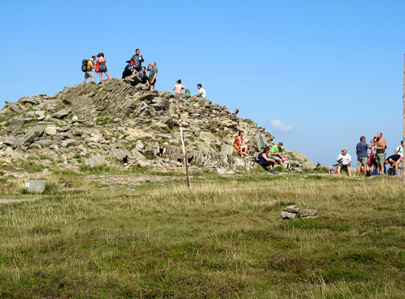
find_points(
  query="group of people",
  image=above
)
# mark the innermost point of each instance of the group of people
(98, 65)
(373, 161)
(133, 68)
(267, 158)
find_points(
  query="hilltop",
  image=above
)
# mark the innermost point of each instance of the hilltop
(117, 123)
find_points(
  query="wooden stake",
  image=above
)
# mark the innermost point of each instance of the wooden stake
(182, 143)
(403, 114)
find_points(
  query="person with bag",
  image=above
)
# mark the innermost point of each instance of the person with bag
(264, 161)
(87, 68)
(101, 61)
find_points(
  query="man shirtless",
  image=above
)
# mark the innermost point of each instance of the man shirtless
(380, 146)
(179, 87)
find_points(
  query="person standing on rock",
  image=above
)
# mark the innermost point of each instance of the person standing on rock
(179, 87)
(202, 93)
(138, 59)
(89, 71)
(103, 67)
(152, 69)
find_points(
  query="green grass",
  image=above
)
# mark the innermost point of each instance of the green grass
(224, 239)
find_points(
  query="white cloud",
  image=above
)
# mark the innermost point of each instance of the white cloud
(278, 125)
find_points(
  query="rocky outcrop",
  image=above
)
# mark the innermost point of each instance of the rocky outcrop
(125, 125)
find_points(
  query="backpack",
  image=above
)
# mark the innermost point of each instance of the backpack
(84, 65)
(187, 93)
(391, 171)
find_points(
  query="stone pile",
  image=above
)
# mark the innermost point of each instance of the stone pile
(116, 123)
(292, 212)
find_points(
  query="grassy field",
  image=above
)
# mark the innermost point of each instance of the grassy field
(225, 239)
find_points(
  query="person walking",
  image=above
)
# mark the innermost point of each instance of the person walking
(89, 71)
(152, 69)
(103, 67)
(138, 59)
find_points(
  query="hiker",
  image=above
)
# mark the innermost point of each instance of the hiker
(138, 59)
(202, 93)
(393, 160)
(344, 161)
(129, 69)
(240, 146)
(264, 161)
(102, 66)
(179, 87)
(88, 73)
(152, 69)
(361, 151)
(400, 151)
(379, 144)
(143, 76)
(277, 154)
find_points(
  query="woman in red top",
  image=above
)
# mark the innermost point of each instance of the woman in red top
(240, 146)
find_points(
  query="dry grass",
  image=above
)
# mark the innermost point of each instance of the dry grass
(224, 239)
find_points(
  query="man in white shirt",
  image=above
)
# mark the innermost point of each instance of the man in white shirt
(344, 161)
(400, 151)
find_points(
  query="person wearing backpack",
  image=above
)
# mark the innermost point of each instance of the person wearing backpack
(87, 68)
(264, 160)
(103, 67)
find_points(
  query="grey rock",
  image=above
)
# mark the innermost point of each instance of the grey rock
(31, 136)
(11, 141)
(17, 122)
(50, 130)
(27, 100)
(287, 215)
(68, 142)
(61, 113)
(96, 160)
(291, 209)
(307, 213)
(35, 186)
(120, 154)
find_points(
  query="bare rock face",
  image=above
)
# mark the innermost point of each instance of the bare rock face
(121, 123)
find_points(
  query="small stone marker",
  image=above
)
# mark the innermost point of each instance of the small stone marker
(292, 212)
(35, 186)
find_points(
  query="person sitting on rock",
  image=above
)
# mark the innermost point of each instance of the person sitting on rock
(344, 160)
(179, 87)
(129, 69)
(202, 93)
(277, 154)
(240, 146)
(264, 161)
(143, 76)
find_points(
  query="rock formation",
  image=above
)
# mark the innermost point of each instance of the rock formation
(124, 125)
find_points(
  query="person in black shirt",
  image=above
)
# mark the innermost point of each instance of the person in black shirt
(128, 69)
(264, 160)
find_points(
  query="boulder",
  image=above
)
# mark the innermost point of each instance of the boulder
(120, 154)
(30, 136)
(35, 186)
(50, 130)
(287, 215)
(17, 122)
(61, 113)
(96, 160)
(307, 213)
(11, 141)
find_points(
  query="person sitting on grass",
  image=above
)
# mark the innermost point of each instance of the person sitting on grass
(277, 154)
(264, 161)
(344, 161)
(240, 146)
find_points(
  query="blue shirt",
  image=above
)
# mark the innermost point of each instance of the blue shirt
(361, 148)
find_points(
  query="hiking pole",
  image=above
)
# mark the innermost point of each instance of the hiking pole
(182, 143)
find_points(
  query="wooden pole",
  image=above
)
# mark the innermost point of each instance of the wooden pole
(403, 115)
(182, 143)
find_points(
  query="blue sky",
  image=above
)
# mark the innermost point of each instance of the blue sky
(322, 72)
